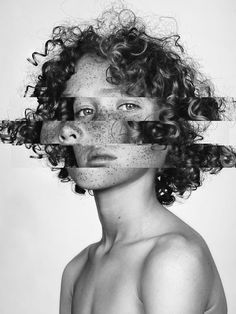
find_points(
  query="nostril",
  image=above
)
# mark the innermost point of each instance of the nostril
(62, 137)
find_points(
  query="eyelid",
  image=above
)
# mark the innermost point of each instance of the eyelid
(130, 100)
(129, 103)
(90, 103)
(77, 113)
(81, 105)
(84, 102)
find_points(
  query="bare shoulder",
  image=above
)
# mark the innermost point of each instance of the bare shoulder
(73, 268)
(179, 267)
(181, 242)
(173, 249)
(69, 276)
(76, 261)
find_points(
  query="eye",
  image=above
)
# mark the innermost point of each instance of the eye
(84, 112)
(128, 107)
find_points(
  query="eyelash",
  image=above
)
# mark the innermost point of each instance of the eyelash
(78, 113)
(83, 110)
(134, 106)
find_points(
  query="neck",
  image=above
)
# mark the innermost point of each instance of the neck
(127, 210)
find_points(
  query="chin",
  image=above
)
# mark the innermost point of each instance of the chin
(104, 178)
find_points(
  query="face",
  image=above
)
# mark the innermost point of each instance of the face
(102, 139)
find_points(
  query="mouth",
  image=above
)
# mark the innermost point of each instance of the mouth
(97, 159)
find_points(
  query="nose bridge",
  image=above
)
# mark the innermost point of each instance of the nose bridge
(103, 113)
(106, 109)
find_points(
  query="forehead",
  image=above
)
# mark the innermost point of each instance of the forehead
(89, 79)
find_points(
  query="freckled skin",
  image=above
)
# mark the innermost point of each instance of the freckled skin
(87, 133)
(92, 91)
(108, 123)
(90, 133)
(103, 178)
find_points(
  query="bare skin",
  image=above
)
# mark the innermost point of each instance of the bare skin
(148, 260)
(163, 271)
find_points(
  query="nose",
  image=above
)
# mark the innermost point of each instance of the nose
(68, 135)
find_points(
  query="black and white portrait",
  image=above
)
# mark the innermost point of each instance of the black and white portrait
(118, 157)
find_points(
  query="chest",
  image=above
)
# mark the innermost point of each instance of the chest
(108, 287)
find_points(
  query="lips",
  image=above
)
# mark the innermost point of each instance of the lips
(98, 158)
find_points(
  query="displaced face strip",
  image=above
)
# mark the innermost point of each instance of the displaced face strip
(135, 156)
(111, 106)
(108, 132)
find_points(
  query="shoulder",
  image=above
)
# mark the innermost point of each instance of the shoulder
(69, 277)
(74, 266)
(73, 269)
(174, 251)
(177, 266)
(178, 242)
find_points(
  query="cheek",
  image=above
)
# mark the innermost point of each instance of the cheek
(108, 132)
(100, 178)
(139, 156)
(128, 156)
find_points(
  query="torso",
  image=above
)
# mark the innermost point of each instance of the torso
(110, 283)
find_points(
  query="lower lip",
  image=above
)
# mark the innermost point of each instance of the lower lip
(100, 161)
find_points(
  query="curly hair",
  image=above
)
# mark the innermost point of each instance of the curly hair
(142, 66)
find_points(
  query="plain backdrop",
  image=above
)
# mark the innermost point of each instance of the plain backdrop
(43, 224)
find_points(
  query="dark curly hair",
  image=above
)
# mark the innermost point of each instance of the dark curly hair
(143, 66)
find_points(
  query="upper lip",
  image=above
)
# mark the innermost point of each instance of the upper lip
(94, 154)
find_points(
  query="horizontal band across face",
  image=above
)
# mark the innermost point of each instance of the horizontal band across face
(194, 108)
(125, 144)
(113, 132)
(202, 156)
